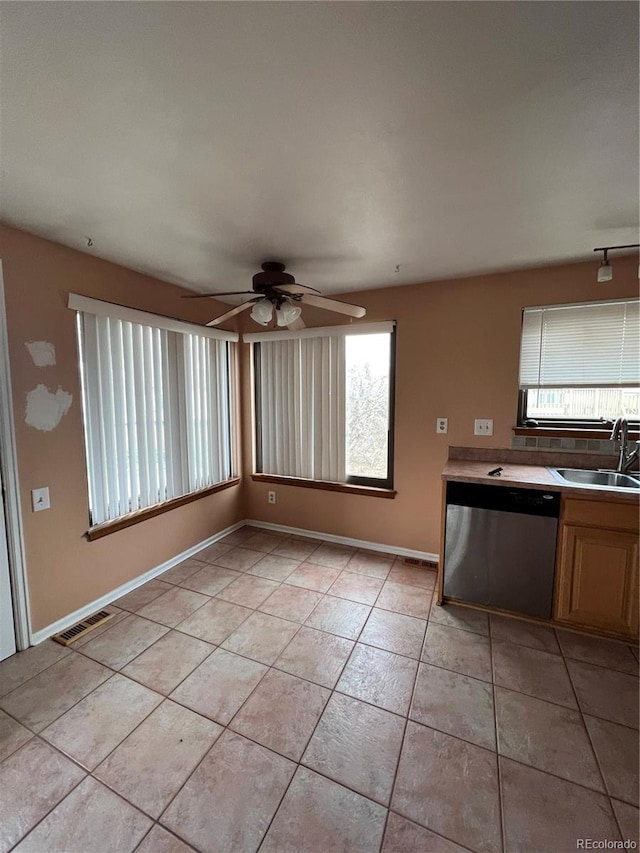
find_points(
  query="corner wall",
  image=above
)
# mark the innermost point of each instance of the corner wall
(64, 570)
(458, 347)
(457, 356)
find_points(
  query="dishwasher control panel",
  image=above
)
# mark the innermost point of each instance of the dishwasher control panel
(504, 498)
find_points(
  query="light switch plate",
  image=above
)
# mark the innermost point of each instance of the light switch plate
(483, 426)
(40, 499)
(442, 425)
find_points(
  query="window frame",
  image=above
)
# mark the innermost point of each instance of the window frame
(223, 384)
(387, 482)
(353, 483)
(592, 425)
(529, 424)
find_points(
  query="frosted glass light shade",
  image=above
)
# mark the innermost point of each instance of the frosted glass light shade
(287, 313)
(262, 312)
(605, 273)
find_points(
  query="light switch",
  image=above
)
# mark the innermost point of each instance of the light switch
(483, 426)
(40, 499)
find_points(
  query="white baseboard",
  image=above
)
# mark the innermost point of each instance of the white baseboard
(108, 598)
(346, 540)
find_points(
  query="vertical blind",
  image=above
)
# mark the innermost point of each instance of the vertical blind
(595, 344)
(157, 411)
(302, 408)
(300, 405)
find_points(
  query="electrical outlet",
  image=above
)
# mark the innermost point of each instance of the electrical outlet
(40, 499)
(442, 425)
(483, 426)
(271, 497)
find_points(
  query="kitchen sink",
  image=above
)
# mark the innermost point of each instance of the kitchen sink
(608, 479)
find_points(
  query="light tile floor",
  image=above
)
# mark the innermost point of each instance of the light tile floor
(284, 694)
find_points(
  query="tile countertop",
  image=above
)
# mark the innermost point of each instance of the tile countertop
(530, 477)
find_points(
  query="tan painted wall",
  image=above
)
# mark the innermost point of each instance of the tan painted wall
(458, 347)
(457, 356)
(65, 571)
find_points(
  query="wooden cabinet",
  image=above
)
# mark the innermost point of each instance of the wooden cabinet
(597, 566)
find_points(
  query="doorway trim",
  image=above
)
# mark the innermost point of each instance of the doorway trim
(9, 462)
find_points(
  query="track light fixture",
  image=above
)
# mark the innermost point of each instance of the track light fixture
(605, 271)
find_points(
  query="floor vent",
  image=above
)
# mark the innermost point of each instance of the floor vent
(76, 631)
(427, 564)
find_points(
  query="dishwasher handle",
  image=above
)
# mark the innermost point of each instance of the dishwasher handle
(504, 499)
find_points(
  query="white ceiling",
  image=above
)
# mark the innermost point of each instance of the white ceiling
(193, 140)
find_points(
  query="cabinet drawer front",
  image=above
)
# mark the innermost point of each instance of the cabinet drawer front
(611, 514)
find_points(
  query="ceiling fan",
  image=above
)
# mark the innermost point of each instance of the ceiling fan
(273, 288)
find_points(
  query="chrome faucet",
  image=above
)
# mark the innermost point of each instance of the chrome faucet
(620, 432)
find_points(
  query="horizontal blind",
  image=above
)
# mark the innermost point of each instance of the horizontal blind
(588, 345)
(157, 413)
(302, 408)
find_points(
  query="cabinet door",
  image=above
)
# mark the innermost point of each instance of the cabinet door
(598, 579)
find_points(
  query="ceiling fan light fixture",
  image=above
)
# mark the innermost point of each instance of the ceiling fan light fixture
(287, 313)
(262, 312)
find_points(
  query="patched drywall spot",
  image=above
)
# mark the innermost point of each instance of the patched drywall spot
(42, 352)
(45, 409)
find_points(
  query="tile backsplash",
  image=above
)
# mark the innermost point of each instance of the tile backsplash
(567, 445)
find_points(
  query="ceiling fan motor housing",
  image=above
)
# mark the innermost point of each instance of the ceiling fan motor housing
(272, 275)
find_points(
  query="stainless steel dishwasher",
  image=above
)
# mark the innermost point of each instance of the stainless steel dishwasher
(500, 545)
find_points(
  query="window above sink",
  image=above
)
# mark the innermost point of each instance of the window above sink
(580, 368)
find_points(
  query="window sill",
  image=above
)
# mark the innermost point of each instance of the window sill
(367, 491)
(108, 527)
(565, 432)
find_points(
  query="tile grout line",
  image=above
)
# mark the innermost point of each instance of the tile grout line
(69, 650)
(53, 808)
(299, 762)
(332, 692)
(164, 828)
(226, 728)
(408, 719)
(503, 833)
(605, 787)
(402, 742)
(301, 625)
(119, 672)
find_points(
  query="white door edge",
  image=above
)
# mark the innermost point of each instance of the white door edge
(7, 630)
(11, 483)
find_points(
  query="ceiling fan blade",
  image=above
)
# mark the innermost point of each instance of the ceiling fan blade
(334, 305)
(297, 325)
(229, 314)
(295, 288)
(210, 295)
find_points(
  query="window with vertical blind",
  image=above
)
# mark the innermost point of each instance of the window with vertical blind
(580, 364)
(157, 404)
(324, 402)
